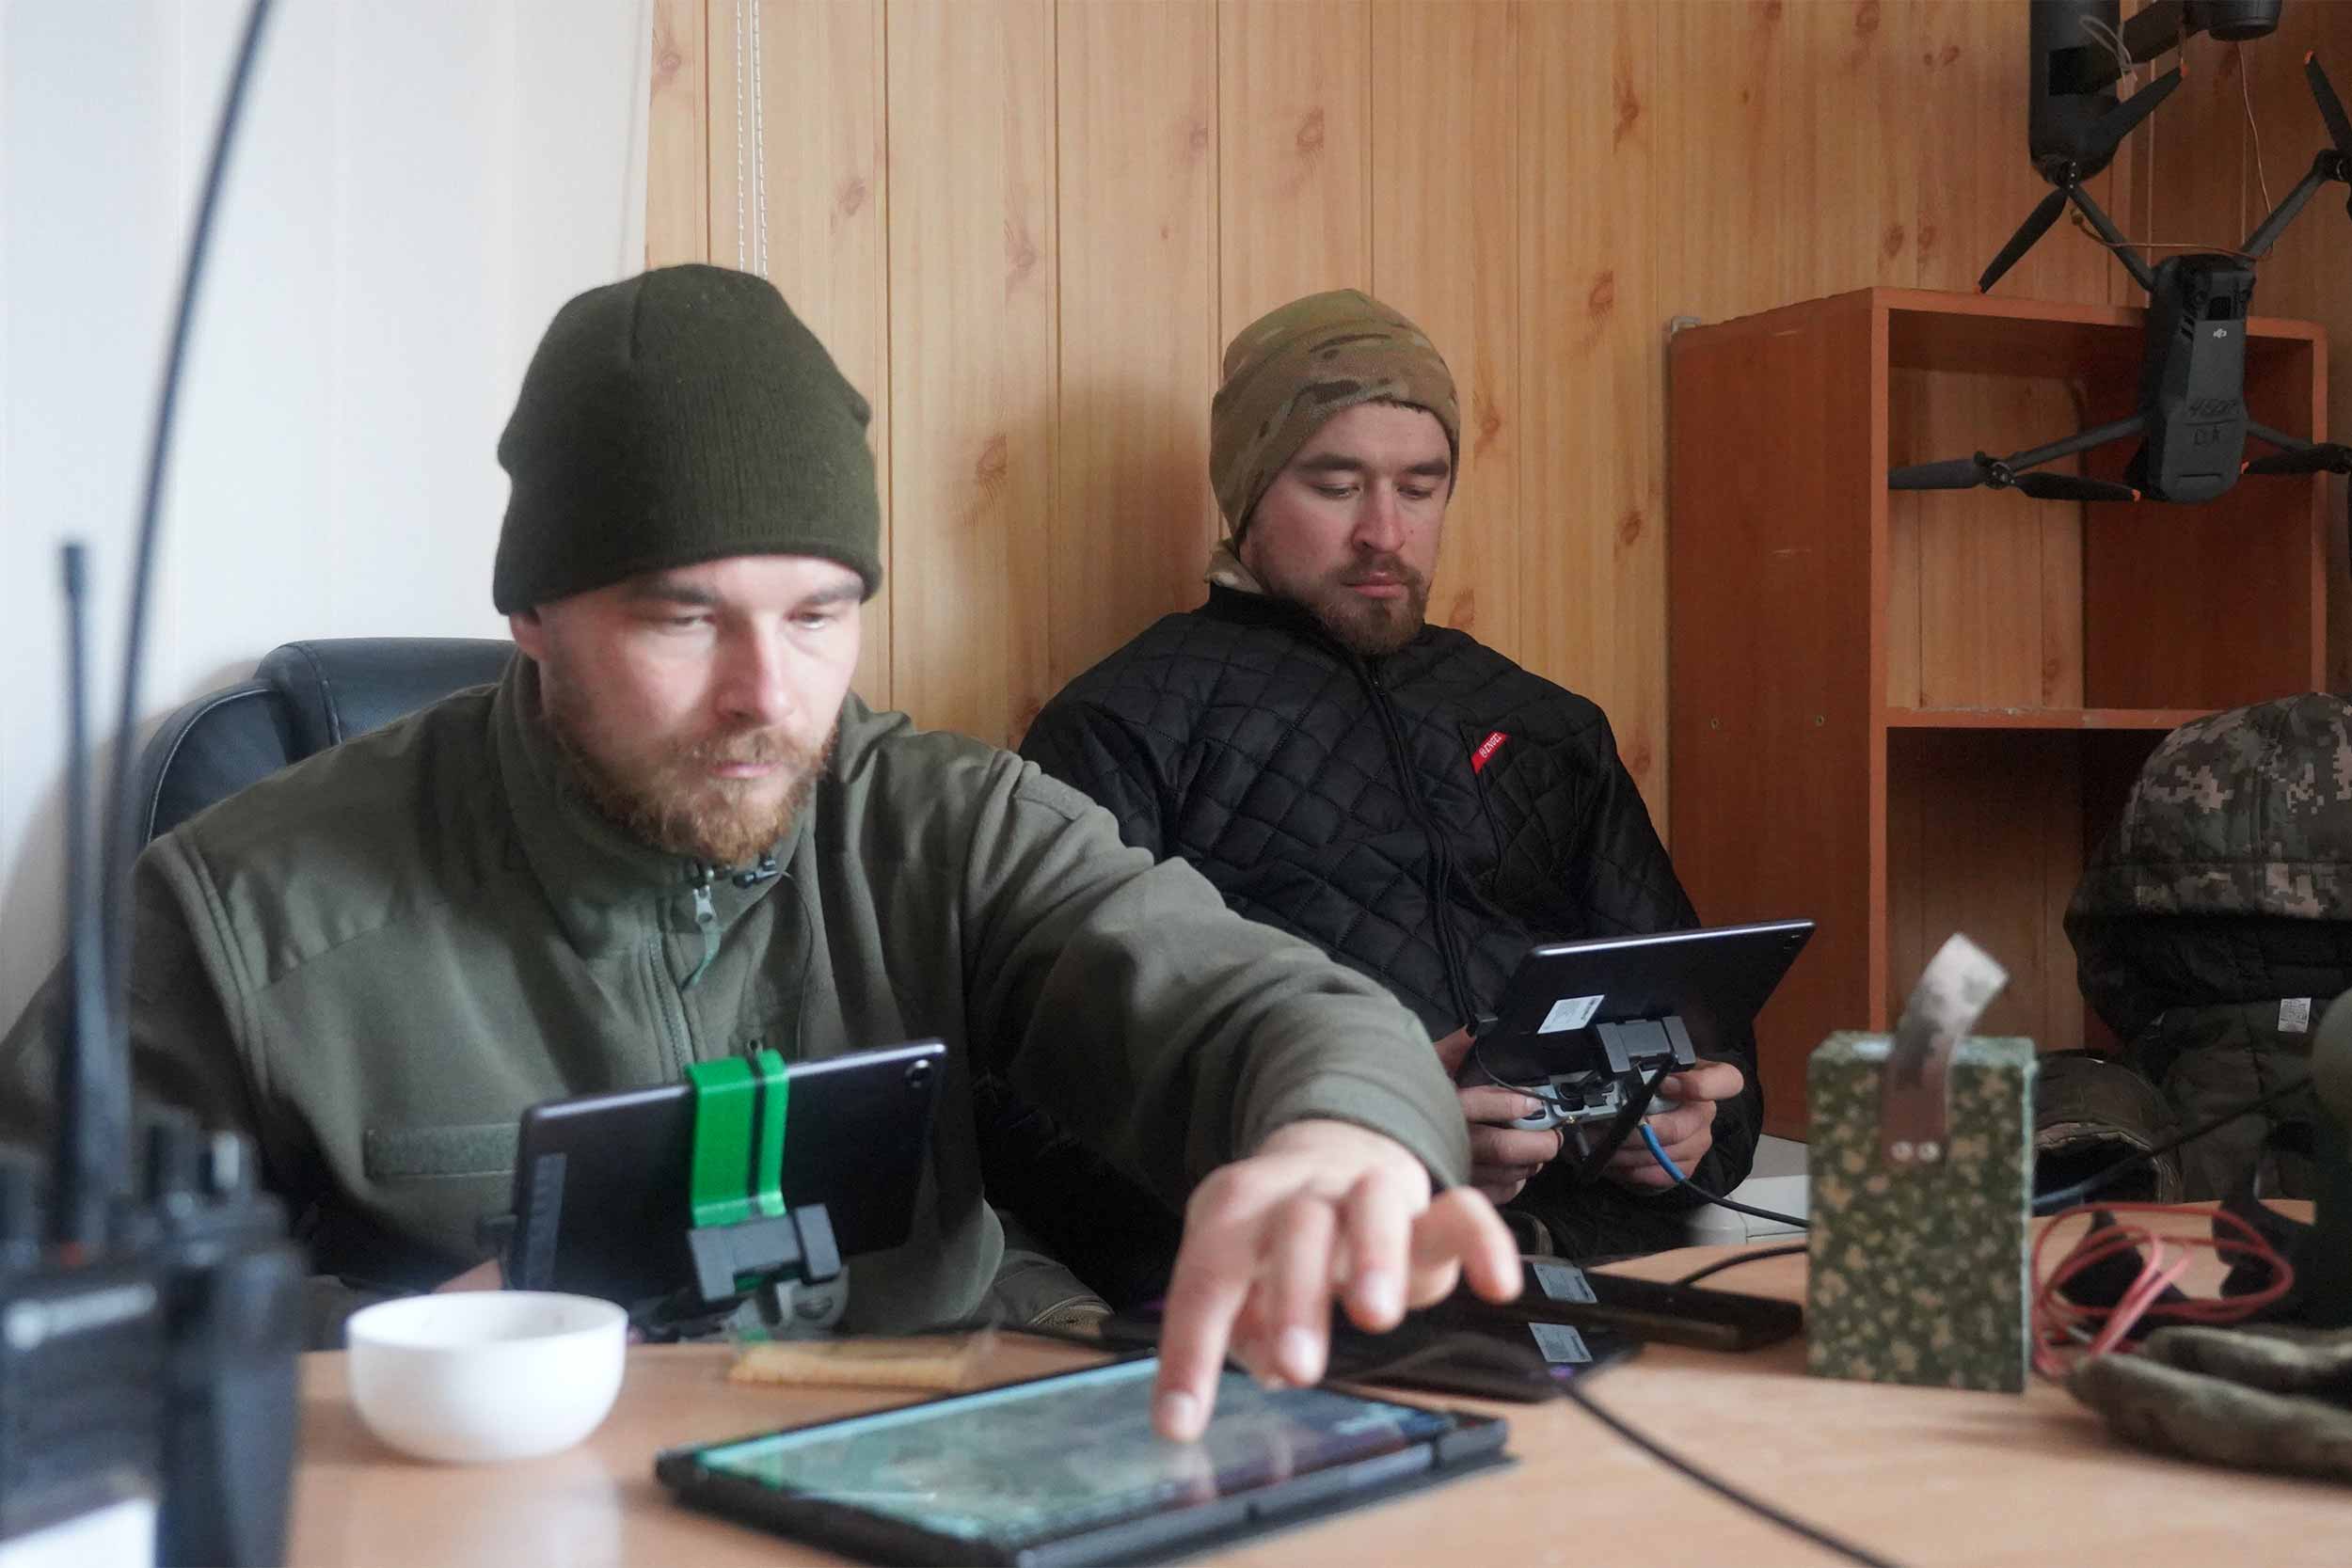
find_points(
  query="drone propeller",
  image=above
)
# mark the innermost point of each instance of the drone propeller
(2072, 487)
(2036, 225)
(2120, 121)
(2330, 110)
(2325, 457)
(1960, 473)
(2065, 177)
(1965, 473)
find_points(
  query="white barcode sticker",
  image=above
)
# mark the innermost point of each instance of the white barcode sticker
(2295, 1015)
(1559, 1343)
(1559, 1281)
(1569, 1012)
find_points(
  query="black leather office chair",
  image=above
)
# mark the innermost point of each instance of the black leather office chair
(303, 697)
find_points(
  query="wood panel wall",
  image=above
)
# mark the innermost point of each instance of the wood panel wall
(1028, 227)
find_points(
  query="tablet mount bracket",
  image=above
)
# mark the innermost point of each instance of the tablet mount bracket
(1632, 1050)
(747, 1246)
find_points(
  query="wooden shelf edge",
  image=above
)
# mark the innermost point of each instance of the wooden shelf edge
(1995, 308)
(2000, 308)
(2039, 717)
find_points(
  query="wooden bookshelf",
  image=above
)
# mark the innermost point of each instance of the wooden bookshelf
(1907, 714)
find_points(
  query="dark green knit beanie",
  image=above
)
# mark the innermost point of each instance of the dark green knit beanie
(681, 416)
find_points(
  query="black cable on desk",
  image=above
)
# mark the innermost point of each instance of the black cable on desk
(1719, 1264)
(1716, 1484)
(1665, 1162)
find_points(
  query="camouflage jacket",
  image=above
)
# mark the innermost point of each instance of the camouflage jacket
(2214, 921)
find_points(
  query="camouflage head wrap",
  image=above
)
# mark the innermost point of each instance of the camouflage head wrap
(1295, 367)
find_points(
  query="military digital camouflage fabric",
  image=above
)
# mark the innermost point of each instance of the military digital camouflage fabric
(2248, 812)
(2262, 1399)
(1918, 1273)
(1294, 367)
(2214, 921)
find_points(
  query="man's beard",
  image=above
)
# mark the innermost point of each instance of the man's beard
(1371, 627)
(672, 802)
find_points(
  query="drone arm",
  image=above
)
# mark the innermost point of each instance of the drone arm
(2133, 261)
(2325, 164)
(2276, 438)
(2098, 436)
(2153, 29)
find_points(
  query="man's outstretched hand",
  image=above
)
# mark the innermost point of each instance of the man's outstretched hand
(1324, 1210)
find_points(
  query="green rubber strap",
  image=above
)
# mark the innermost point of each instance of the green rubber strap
(724, 1092)
(737, 1167)
(767, 1189)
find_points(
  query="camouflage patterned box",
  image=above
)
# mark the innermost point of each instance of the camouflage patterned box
(1918, 1272)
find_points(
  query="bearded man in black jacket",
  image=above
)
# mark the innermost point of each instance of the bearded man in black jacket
(1402, 796)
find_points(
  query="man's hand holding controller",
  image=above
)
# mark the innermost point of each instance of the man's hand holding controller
(1514, 1133)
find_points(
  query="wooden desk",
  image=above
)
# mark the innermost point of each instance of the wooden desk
(1920, 1476)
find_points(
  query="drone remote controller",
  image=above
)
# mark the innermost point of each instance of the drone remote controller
(1622, 1057)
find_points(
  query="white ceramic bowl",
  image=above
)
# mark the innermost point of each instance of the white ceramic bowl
(477, 1375)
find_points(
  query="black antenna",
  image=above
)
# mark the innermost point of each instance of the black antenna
(91, 1103)
(93, 1068)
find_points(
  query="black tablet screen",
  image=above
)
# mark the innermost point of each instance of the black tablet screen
(1044, 1460)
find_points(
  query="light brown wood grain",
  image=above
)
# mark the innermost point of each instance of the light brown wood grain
(1294, 147)
(1999, 846)
(2194, 174)
(1445, 197)
(1774, 690)
(820, 77)
(677, 149)
(1984, 640)
(1790, 137)
(973, 395)
(1592, 539)
(1137, 112)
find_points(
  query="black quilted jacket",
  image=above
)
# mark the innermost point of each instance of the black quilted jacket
(1424, 816)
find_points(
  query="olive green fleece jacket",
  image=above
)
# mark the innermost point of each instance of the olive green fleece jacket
(374, 961)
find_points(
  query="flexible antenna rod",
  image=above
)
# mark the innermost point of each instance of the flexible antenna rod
(93, 1069)
(90, 1128)
(122, 844)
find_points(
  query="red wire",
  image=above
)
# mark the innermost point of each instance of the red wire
(2058, 1323)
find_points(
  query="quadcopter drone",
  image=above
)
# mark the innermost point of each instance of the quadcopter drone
(2192, 418)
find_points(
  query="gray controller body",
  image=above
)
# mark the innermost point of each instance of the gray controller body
(1596, 1091)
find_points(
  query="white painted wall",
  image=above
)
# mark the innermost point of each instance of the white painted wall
(416, 186)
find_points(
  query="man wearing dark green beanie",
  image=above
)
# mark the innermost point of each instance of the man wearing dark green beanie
(670, 834)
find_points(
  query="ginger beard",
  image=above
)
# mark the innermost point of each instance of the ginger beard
(1370, 627)
(663, 792)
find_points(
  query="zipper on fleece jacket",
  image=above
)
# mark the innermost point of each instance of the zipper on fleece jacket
(676, 1024)
(707, 922)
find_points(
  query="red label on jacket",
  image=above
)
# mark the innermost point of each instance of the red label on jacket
(1487, 749)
